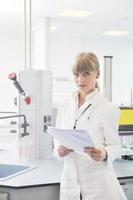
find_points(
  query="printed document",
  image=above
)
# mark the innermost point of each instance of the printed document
(71, 138)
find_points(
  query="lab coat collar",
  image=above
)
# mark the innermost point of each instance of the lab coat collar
(89, 97)
(93, 98)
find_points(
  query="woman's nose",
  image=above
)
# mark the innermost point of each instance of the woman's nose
(80, 78)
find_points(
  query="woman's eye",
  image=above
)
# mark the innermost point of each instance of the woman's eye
(76, 75)
(86, 74)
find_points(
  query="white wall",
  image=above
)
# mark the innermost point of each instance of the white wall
(11, 60)
(11, 49)
(65, 48)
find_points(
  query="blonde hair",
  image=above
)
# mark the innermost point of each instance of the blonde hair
(86, 62)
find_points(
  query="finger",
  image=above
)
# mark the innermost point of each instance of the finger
(62, 147)
(95, 151)
(89, 148)
(93, 154)
(95, 157)
(62, 153)
(91, 151)
(64, 150)
(68, 149)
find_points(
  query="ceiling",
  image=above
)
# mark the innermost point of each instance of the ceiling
(108, 15)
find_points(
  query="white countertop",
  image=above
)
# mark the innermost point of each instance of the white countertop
(48, 172)
(123, 168)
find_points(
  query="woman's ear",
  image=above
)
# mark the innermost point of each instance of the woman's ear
(98, 74)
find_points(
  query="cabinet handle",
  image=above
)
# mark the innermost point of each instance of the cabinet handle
(122, 183)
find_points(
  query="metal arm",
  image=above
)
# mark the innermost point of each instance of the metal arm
(24, 125)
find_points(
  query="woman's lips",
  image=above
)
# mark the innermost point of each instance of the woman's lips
(82, 85)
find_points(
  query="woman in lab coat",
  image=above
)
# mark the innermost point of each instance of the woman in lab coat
(90, 173)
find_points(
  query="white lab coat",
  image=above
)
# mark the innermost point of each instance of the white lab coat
(94, 180)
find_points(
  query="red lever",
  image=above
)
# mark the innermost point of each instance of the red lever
(27, 100)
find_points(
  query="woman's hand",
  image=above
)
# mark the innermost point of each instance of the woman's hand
(63, 151)
(96, 154)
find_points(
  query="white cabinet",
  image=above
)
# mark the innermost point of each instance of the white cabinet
(50, 192)
(38, 85)
(127, 185)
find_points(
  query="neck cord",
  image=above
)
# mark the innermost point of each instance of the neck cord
(76, 120)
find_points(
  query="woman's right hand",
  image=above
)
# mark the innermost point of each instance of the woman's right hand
(63, 151)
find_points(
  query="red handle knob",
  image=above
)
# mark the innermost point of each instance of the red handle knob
(27, 100)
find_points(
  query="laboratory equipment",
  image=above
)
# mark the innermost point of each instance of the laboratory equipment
(38, 84)
(126, 132)
(107, 85)
(26, 97)
(23, 125)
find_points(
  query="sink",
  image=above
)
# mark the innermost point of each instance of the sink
(10, 170)
(2, 150)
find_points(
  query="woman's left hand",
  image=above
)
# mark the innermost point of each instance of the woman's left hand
(96, 154)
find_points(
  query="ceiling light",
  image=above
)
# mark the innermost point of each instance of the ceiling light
(116, 33)
(53, 28)
(75, 13)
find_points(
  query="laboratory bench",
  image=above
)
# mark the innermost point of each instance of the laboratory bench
(43, 182)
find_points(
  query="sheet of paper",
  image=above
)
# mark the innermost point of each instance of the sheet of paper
(71, 138)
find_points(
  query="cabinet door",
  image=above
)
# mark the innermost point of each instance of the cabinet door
(38, 193)
(127, 185)
(34, 193)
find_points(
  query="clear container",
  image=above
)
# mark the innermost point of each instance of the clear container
(24, 149)
(127, 141)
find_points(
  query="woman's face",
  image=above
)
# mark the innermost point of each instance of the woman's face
(85, 81)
